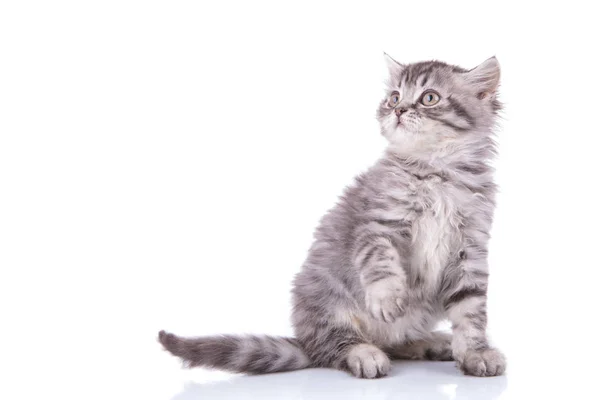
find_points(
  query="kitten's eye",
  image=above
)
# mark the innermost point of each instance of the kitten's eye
(430, 98)
(394, 98)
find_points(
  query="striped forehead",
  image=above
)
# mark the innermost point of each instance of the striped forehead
(424, 73)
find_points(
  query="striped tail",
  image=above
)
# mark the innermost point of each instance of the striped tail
(246, 354)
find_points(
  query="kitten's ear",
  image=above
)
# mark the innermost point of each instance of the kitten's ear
(394, 67)
(485, 77)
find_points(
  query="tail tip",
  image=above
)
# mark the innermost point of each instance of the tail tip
(173, 344)
(166, 338)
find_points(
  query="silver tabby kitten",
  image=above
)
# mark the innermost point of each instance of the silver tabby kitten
(405, 247)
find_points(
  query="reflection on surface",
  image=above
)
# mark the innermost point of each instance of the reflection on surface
(407, 380)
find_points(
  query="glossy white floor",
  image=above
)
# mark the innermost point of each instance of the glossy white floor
(531, 375)
(438, 380)
(123, 365)
(550, 377)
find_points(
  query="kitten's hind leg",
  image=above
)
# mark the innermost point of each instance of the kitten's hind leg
(326, 324)
(437, 347)
(344, 348)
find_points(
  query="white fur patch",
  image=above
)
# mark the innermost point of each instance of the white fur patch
(436, 233)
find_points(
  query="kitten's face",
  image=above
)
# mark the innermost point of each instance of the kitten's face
(430, 104)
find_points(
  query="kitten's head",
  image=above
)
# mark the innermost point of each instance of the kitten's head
(430, 105)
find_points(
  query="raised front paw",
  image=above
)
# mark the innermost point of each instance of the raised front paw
(386, 299)
(488, 362)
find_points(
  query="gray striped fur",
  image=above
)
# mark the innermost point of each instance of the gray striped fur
(249, 354)
(405, 247)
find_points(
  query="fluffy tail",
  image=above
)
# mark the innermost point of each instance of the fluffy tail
(247, 354)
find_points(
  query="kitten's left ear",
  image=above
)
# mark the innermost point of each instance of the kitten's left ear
(485, 77)
(394, 67)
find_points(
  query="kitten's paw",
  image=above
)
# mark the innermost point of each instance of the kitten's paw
(386, 299)
(488, 362)
(367, 361)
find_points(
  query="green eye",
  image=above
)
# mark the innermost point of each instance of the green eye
(394, 99)
(430, 98)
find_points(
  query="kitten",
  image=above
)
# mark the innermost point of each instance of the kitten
(405, 247)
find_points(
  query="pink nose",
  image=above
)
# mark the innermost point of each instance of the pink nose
(400, 111)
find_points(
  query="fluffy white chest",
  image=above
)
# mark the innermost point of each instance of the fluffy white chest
(436, 231)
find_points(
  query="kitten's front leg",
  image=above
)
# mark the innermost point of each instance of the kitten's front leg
(382, 276)
(466, 306)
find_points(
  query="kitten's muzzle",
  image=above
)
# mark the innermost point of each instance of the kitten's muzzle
(399, 112)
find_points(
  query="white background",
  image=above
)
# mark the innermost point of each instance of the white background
(163, 166)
